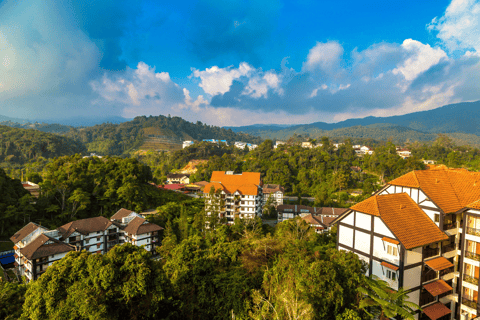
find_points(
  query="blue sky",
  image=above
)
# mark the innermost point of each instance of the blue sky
(237, 62)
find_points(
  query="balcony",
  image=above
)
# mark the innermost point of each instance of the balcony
(450, 225)
(472, 255)
(470, 279)
(446, 271)
(473, 231)
(429, 252)
(469, 303)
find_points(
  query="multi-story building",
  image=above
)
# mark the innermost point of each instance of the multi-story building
(235, 195)
(326, 214)
(275, 191)
(36, 247)
(422, 232)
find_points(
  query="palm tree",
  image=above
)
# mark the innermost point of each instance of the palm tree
(381, 301)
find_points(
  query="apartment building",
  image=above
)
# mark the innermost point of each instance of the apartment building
(36, 247)
(275, 191)
(235, 195)
(422, 232)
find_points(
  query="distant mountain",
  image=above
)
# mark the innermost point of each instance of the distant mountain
(461, 117)
(85, 121)
(15, 120)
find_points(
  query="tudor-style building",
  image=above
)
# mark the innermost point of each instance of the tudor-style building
(36, 247)
(447, 266)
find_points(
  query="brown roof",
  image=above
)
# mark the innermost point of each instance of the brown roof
(437, 287)
(326, 220)
(148, 227)
(271, 188)
(84, 226)
(38, 249)
(440, 263)
(410, 225)
(120, 214)
(25, 231)
(177, 175)
(389, 265)
(436, 310)
(330, 211)
(390, 240)
(201, 183)
(133, 226)
(310, 219)
(450, 189)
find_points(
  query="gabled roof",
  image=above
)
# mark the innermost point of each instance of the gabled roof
(310, 219)
(271, 188)
(25, 231)
(38, 249)
(246, 189)
(177, 175)
(450, 189)
(410, 225)
(133, 225)
(120, 214)
(84, 226)
(148, 227)
(238, 179)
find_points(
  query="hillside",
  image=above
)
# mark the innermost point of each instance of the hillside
(21, 145)
(150, 133)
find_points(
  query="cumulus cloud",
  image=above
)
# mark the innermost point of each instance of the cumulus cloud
(324, 56)
(217, 80)
(459, 27)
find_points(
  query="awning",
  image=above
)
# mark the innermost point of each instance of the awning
(436, 311)
(389, 266)
(437, 287)
(439, 263)
(390, 240)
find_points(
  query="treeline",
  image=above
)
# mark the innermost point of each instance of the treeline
(245, 271)
(74, 188)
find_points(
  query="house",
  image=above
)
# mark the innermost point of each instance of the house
(183, 178)
(404, 153)
(37, 248)
(31, 187)
(240, 145)
(275, 191)
(235, 195)
(290, 211)
(187, 143)
(307, 144)
(278, 143)
(422, 232)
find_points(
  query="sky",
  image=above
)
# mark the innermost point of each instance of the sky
(237, 62)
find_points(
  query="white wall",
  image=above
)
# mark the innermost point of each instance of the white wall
(379, 272)
(345, 236)
(413, 256)
(381, 228)
(363, 221)
(348, 219)
(411, 278)
(362, 241)
(380, 251)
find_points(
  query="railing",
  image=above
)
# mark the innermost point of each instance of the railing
(473, 231)
(446, 271)
(448, 248)
(472, 255)
(427, 253)
(470, 279)
(449, 226)
(470, 303)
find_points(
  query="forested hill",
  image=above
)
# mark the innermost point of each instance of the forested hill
(460, 117)
(21, 145)
(117, 139)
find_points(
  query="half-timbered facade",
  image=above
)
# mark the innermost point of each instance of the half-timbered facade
(448, 269)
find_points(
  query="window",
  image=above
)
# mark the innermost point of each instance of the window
(98, 239)
(392, 250)
(87, 240)
(98, 245)
(437, 217)
(392, 275)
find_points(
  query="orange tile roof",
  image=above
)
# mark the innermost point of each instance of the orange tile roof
(436, 310)
(437, 287)
(410, 225)
(390, 240)
(440, 263)
(389, 266)
(450, 189)
(246, 183)
(474, 205)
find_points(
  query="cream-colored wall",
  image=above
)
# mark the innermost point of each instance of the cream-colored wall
(414, 297)
(412, 277)
(380, 251)
(381, 228)
(413, 256)
(345, 236)
(362, 241)
(363, 221)
(348, 219)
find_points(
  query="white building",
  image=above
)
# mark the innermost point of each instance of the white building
(187, 143)
(275, 191)
(278, 143)
(422, 232)
(36, 247)
(236, 195)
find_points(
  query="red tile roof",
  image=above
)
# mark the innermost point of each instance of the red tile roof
(410, 225)
(389, 266)
(246, 183)
(390, 240)
(437, 287)
(440, 263)
(436, 310)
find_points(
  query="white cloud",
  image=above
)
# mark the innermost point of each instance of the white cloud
(459, 27)
(217, 80)
(323, 56)
(259, 84)
(422, 57)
